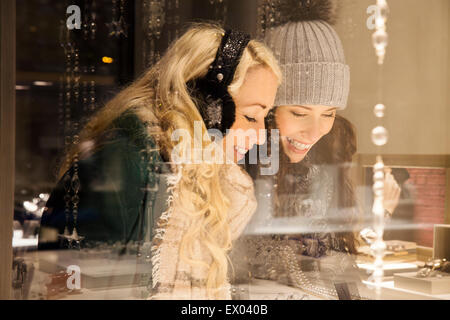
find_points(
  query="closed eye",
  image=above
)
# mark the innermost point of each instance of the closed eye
(300, 115)
(249, 119)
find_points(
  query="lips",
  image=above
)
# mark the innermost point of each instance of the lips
(297, 146)
(240, 151)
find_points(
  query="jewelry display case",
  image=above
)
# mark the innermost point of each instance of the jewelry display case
(71, 62)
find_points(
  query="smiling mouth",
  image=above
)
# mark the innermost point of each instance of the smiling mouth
(297, 145)
(240, 151)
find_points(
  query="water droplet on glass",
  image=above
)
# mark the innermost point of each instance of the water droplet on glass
(378, 187)
(380, 39)
(379, 110)
(378, 247)
(75, 199)
(378, 176)
(75, 183)
(379, 136)
(384, 11)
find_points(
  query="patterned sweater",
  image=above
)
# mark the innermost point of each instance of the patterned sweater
(176, 279)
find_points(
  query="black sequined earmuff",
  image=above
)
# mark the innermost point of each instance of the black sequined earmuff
(211, 92)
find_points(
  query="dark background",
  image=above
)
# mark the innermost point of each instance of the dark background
(40, 57)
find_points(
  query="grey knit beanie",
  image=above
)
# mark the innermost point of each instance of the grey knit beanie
(312, 60)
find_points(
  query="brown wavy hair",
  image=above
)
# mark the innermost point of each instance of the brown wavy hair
(337, 149)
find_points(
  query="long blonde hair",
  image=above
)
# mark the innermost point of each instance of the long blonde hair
(161, 96)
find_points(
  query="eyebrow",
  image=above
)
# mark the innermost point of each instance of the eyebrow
(308, 108)
(256, 104)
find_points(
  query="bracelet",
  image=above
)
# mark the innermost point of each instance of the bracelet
(432, 266)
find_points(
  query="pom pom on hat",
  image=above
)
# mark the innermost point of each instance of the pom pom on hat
(305, 10)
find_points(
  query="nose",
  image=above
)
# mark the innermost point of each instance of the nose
(260, 134)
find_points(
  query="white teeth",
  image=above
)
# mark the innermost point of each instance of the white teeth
(298, 145)
(241, 150)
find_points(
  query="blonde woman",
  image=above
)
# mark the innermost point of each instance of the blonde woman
(208, 79)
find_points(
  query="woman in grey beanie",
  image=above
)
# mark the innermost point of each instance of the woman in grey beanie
(313, 183)
(315, 141)
(316, 78)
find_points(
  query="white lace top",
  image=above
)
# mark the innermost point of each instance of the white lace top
(175, 279)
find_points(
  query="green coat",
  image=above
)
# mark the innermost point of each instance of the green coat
(121, 193)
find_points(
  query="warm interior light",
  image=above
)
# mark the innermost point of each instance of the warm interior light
(20, 87)
(107, 60)
(43, 83)
(30, 206)
(44, 196)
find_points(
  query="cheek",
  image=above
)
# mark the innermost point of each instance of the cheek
(282, 123)
(285, 125)
(327, 127)
(240, 125)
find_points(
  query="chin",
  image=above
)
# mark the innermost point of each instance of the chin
(296, 158)
(293, 157)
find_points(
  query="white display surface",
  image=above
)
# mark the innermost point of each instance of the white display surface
(390, 292)
(23, 243)
(438, 285)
